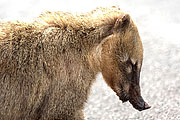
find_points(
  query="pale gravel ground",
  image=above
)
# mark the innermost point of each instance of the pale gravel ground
(159, 26)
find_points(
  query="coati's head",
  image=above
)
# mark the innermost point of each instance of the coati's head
(121, 61)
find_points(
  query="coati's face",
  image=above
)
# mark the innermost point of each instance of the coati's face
(122, 57)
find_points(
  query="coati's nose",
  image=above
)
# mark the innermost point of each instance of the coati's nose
(142, 106)
(146, 106)
(139, 104)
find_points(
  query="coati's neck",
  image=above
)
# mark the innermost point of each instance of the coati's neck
(94, 58)
(101, 53)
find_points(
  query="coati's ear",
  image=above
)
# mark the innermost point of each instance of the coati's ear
(122, 22)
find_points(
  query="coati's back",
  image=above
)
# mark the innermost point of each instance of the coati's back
(36, 77)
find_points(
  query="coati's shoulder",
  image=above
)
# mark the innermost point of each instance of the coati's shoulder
(93, 19)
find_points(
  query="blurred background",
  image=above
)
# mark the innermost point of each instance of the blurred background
(159, 26)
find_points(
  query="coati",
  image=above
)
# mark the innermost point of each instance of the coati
(48, 66)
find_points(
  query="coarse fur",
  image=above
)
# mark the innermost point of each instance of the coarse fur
(47, 67)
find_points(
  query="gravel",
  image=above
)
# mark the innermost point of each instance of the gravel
(159, 26)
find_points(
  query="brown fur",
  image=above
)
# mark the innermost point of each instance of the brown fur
(48, 66)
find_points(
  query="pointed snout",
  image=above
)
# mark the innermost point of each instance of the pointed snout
(139, 104)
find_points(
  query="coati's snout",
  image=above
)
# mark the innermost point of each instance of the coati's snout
(136, 99)
(139, 103)
(133, 95)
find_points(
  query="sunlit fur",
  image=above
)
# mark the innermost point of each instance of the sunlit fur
(48, 66)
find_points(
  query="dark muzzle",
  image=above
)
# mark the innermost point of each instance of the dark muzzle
(139, 104)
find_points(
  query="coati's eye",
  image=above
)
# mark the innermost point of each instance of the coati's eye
(129, 68)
